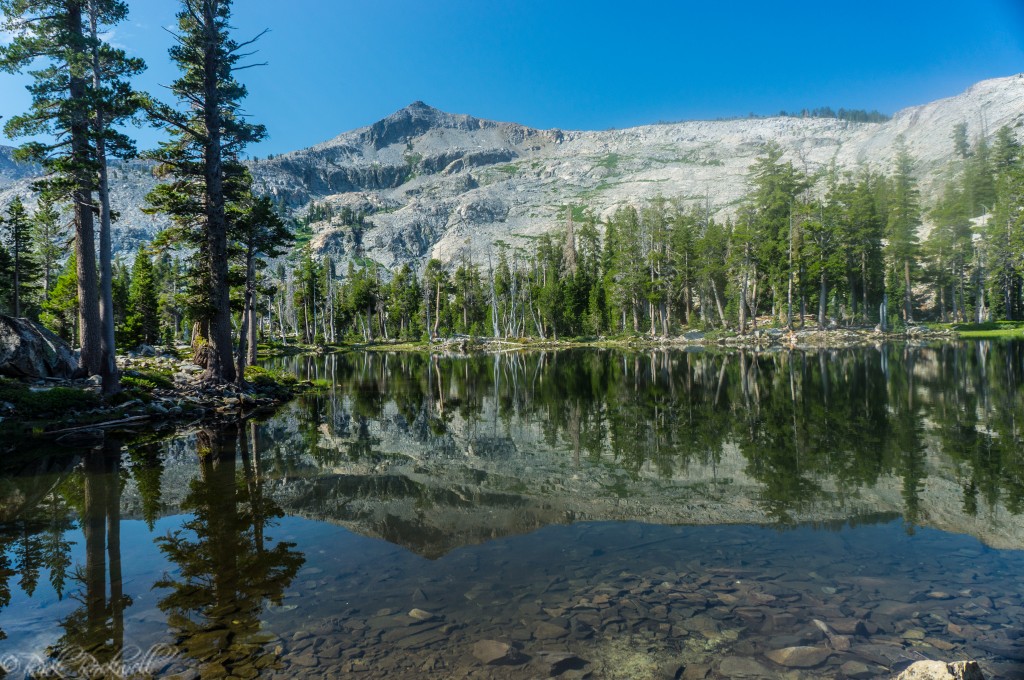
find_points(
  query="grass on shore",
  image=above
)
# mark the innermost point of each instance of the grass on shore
(990, 329)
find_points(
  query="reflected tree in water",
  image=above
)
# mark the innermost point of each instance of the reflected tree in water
(33, 535)
(228, 568)
(813, 426)
(93, 633)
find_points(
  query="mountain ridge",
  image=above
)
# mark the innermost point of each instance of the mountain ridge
(435, 184)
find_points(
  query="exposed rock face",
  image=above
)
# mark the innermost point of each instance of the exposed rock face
(435, 184)
(27, 350)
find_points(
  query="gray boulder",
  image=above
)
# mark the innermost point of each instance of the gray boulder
(27, 350)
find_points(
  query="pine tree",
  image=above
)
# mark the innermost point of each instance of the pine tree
(904, 218)
(77, 77)
(47, 242)
(208, 133)
(142, 320)
(60, 309)
(260, 232)
(775, 186)
(53, 31)
(24, 268)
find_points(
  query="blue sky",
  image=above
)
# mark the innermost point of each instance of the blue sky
(338, 64)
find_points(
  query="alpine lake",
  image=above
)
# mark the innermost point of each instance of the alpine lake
(577, 513)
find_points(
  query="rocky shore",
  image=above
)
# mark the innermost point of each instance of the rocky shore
(763, 339)
(159, 390)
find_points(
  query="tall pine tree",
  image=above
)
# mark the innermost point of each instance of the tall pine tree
(78, 95)
(208, 132)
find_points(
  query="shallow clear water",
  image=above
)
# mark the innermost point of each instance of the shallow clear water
(622, 515)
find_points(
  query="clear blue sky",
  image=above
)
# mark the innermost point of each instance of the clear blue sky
(339, 64)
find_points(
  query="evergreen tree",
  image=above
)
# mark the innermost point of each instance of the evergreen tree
(260, 232)
(47, 242)
(142, 323)
(24, 268)
(60, 310)
(77, 96)
(1004, 232)
(904, 219)
(775, 186)
(6, 275)
(120, 288)
(403, 303)
(208, 133)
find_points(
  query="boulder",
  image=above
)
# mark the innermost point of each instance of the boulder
(27, 350)
(940, 670)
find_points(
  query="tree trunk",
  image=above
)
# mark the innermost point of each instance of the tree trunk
(244, 332)
(437, 308)
(108, 351)
(220, 367)
(822, 303)
(743, 304)
(250, 357)
(908, 310)
(864, 284)
(90, 331)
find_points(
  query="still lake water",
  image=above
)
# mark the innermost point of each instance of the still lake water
(623, 515)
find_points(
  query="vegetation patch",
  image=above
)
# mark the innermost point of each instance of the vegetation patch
(269, 378)
(990, 329)
(609, 161)
(33, 403)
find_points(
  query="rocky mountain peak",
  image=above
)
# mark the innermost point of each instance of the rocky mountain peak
(417, 119)
(434, 184)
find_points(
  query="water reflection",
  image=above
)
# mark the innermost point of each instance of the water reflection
(93, 634)
(196, 542)
(811, 428)
(228, 569)
(221, 568)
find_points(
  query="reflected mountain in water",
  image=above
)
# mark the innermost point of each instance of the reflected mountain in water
(437, 452)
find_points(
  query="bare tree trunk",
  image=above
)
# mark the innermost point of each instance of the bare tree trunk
(718, 304)
(743, 303)
(247, 330)
(90, 330)
(108, 363)
(437, 308)
(494, 296)
(822, 301)
(908, 310)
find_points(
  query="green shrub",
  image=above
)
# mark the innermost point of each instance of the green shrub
(266, 377)
(147, 378)
(56, 400)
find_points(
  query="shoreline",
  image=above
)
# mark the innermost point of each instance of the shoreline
(160, 394)
(767, 339)
(163, 392)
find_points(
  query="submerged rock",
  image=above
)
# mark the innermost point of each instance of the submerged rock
(27, 350)
(493, 652)
(940, 670)
(799, 657)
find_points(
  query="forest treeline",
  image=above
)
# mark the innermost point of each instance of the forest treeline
(838, 248)
(833, 248)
